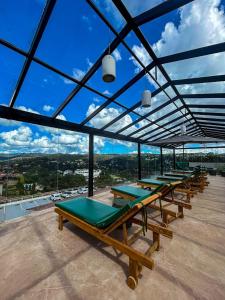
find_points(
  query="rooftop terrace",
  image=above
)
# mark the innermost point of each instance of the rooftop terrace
(39, 262)
(65, 131)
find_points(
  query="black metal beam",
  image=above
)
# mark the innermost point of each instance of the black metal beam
(171, 128)
(114, 44)
(204, 96)
(124, 12)
(118, 93)
(159, 10)
(174, 159)
(24, 116)
(38, 35)
(165, 124)
(202, 148)
(207, 106)
(161, 160)
(139, 161)
(202, 113)
(53, 69)
(135, 106)
(211, 120)
(212, 124)
(90, 165)
(148, 114)
(145, 69)
(193, 53)
(205, 79)
(215, 130)
(216, 134)
(190, 129)
(214, 127)
(158, 120)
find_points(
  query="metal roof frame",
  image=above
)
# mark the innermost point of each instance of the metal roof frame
(199, 124)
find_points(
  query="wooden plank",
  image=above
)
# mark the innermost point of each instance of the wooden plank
(155, 228)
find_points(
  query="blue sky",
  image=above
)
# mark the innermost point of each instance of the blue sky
(74, 38)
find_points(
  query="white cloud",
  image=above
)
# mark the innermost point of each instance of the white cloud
(6, 122)
(107, 93)
(58, 141)
(47, 108)
(78, 73)
(87, 21)
(97, 100)
(21, 107)
(106, 115)
(18, 137)
(117, 55)
(61, 117)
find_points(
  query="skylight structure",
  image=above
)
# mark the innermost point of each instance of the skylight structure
(55, 63)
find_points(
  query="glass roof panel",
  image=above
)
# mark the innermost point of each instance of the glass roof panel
(126, 120)
(161, 135)
(170, 92)
(202, 88)
(208, 116)
(108, 114)
(207, 65)
(153, 30)
(14, 19)
(165, 110)
(190, 27)
(111, 13)
(157, 100)
(43, 91)
(82, 105)
(125, 71)
(205, 101)
(145, 130)
(134, 7)
(159, 131)
(135, 45)
(133, 95)
(208, 110)
(173, 117)
(70, 47)
(10, 69)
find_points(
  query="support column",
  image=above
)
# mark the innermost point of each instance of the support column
(183, 158)
(161, 160)
(139, 161)
(174, 158)
(90, 165)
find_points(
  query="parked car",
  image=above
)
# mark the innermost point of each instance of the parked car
(82, 190)
(74, 192)
(56, 197)
(67, 194)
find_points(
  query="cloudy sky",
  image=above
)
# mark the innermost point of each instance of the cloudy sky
(75, 37)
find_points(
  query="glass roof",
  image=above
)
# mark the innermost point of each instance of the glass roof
(50, 65)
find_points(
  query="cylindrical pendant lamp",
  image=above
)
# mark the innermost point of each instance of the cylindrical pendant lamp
(146, 98)
(108, 68)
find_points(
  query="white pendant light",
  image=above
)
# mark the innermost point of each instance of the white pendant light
(108, 68)
(146, 99)
(183, 129)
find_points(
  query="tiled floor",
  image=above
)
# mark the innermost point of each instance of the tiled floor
(39, 262)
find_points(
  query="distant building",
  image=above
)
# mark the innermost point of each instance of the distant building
(67, 172)
(85, 172)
